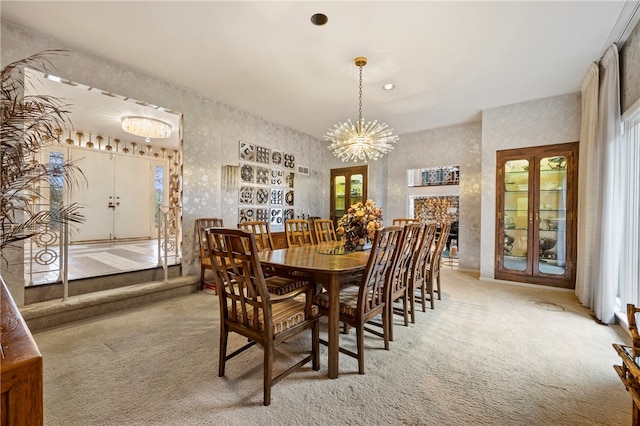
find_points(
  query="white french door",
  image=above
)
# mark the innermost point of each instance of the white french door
(118, 199)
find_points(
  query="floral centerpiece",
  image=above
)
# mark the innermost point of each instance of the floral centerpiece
(359, 225)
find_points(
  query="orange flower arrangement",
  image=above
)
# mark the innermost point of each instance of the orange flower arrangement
(359, 224)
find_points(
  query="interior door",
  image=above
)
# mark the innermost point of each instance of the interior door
(96, 196)
(348, 186)
(132, 194)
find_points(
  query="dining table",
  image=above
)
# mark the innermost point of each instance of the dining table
(327, 264)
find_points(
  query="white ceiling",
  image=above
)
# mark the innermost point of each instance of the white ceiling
(449, 60)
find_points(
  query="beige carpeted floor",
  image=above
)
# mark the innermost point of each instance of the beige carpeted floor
(489, 354)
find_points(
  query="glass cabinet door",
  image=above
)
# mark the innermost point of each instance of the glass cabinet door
(348, 186)
(552, 215)
(516, 215)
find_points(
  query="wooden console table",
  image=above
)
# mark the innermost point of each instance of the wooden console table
(629, 373)
(20, 368)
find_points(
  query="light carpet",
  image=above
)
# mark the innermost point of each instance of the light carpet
(489, 354)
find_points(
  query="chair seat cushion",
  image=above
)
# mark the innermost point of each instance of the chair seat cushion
(348, 300)
(280, 285)
(285, 314)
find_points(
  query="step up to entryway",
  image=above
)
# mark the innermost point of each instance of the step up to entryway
(114, 293)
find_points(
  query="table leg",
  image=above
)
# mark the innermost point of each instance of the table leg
(334, 324)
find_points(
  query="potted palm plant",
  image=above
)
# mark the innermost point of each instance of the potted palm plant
(31, 123)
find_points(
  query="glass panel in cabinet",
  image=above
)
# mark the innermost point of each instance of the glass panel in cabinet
(552, 223)
(340, 185)
(356, 188)
(516, 214)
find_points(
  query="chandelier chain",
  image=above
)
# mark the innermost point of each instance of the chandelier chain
(360, 100)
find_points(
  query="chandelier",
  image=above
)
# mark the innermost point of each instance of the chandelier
(146, 127)
(360, 141)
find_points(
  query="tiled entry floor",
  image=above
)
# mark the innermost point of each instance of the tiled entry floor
(92, 260)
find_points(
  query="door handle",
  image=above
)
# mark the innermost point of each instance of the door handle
(111, 205)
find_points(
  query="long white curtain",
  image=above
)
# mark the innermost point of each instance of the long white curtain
(588, 186)
(608, 245)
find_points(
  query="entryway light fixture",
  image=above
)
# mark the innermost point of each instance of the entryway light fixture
(361, 141)
(146, 127)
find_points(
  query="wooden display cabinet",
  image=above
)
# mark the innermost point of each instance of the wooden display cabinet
(348, 186)
(536, 206)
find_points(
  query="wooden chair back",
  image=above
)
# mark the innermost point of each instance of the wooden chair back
(325, 231)
(374, 284)
(399, 276)
(298, 232)
(436, 259)
(202, 224)
(401, 221)
(419, 277)
(262, 232)
(247, 308)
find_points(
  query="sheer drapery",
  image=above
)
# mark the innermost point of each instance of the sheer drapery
(588, 186)
(629, 291)
(609, 150)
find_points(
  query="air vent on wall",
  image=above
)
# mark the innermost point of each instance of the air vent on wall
(303, 170)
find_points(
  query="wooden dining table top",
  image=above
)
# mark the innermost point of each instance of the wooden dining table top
(317, 258)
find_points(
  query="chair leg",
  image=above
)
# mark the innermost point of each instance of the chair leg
(405, 309)
(201, 278)
(423, 296)
(268, 367)
(389, 309)
(385, 329)
(360, 344)
(315, 345)
(439, 292)
(223, 352)
(411, 294)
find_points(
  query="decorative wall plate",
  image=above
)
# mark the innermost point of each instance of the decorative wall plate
(262, 215)
(276, 196)
(288, 214)
(246, 195)
(276, 218)
(246, 173)
(262, 175)
(263, 155)
(262, 196)
(290, 161)
(288, 198)
(245, 215)
(276, 158)
(247, 151)
(276, 177)
(289, 179)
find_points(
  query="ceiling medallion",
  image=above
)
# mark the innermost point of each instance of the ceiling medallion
(360, 141)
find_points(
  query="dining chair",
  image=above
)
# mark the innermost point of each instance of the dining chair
(248, 309)
(419, 277)
(205, 260)
(298, 232)
(436, 260)
(401, 221)
(262, 231)
(325, 232)
(361, 302)
(399, 275)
